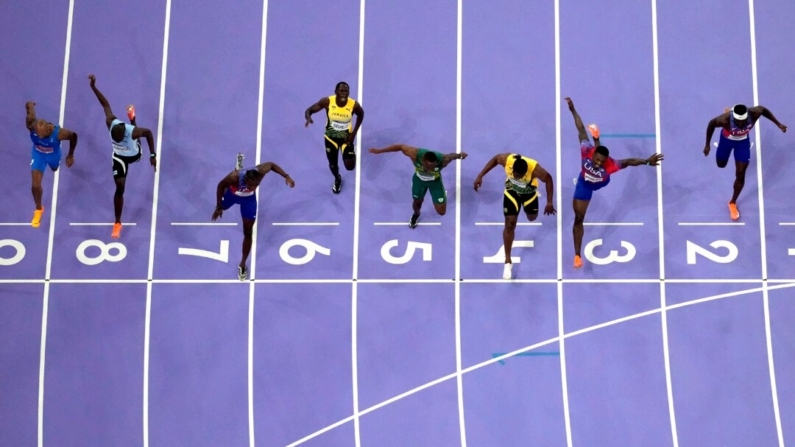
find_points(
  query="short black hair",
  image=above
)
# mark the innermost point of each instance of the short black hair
(117, 132)
(430, 156)
(740, 109)
(603, 150)
(340, 84)
(252, 174)
(519, 166)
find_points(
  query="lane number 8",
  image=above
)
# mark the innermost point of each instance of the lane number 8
(105, 252)
(20, 252)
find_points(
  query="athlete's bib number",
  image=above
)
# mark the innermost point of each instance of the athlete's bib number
(340, 126)
(518, 183)
(124, 151)
(426, 177)
(592, 179)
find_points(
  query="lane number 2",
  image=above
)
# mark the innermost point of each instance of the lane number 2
(694, 249)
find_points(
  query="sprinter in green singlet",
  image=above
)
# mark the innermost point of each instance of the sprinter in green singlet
(427, 176)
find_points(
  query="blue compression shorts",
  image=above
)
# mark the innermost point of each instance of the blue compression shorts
(248, 205)
(39, 161)
(741, 149)
(584, 190)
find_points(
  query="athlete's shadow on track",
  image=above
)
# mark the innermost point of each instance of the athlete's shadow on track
(374, 167)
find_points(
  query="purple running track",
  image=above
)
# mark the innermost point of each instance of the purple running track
(350, 308)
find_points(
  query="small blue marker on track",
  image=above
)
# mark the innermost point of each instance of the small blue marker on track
(526, 354)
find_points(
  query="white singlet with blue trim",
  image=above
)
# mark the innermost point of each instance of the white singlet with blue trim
(127, 147)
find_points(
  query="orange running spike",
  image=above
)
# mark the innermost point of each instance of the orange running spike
(116, 231)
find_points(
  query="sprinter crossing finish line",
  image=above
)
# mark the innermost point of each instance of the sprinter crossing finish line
(46, 151)
(596, 167)
(427, 176)
(126, 150)
(340, 134)
(736, 123)
(239, 187)
(521, 192)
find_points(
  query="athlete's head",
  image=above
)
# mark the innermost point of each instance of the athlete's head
(117, 132)
(252, 178)
(342, 90)
(740, 114)
(519, 167)
(429, 161)
(599, 156)
(42, 128)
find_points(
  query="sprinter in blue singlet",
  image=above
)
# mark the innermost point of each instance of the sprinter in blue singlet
(46, 151)
(736, 123)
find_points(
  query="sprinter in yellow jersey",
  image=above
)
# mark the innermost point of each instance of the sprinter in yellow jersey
(521, 191)
(339, 136)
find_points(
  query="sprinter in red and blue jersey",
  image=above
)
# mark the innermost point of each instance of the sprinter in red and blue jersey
(596, 167)
(736, 123)
(239, 188)
(46, 151)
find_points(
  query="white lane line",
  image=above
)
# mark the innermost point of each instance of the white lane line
(660, 232)
(518, 224)
(406, 223)
(710, 224)
(100, 224)
(153, 230)
(204, 224)
(305, 224)
(356, 224)
(51, 237)
(614, 224)
(558, 163)
(526, 349)
(762, 237)
(458, 84)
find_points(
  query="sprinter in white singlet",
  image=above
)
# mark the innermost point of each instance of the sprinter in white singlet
(126, 150)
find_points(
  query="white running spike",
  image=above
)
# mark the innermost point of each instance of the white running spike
(506, 271)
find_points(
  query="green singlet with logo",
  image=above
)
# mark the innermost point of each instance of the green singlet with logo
(423, 180)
